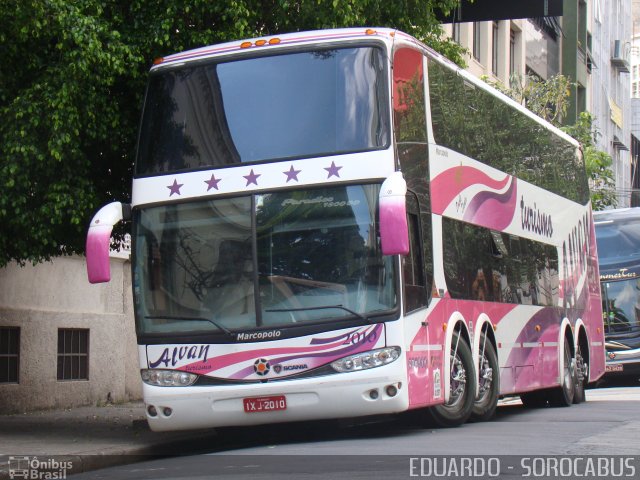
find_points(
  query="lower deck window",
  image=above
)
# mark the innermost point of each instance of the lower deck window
(485, 265)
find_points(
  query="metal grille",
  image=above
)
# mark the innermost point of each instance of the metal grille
(9, 354)
(73, 354)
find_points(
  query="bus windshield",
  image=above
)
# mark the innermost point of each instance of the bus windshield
(267, 260)
(302, 104)
(621, 305)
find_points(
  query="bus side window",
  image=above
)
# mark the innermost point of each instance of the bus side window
(415, 290)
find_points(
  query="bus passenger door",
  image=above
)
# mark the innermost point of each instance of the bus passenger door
(414, 300)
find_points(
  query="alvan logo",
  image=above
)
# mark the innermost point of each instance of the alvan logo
(171, 357)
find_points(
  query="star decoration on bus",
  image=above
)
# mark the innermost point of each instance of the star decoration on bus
(212, 183)
(292, 174)
(252, 178)
(333, 170)
(175, 187)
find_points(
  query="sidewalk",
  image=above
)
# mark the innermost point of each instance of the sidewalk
(88, 437)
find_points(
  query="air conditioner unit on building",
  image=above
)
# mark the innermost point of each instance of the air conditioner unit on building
(618, 59)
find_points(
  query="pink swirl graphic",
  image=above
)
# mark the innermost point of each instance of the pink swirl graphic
(450, 183)
(319, 352)
(493, 210)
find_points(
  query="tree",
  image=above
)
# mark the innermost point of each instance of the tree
(598, 163)
(549, 99)
(72, 83)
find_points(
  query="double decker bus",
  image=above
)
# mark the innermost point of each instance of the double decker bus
(342, 223)
(618, 238)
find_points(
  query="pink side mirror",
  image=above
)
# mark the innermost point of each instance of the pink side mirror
(99, 241)
(394, 230)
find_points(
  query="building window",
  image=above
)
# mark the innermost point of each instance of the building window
(494, 49)
(512, 53)
(456, 32)
(73, 354)
(476, 40)
(9, 354)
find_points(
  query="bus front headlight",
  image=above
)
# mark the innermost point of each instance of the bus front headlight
(167, 378)
(366, 360)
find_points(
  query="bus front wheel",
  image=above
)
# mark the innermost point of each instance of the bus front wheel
(461, 387)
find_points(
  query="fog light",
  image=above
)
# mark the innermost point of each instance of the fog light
(167, 411)
(391, 390)
(373, 394)
(151, 410)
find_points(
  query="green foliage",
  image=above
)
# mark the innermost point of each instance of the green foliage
(61, 125)
(478, 124)
(549, 99)
(598, 163)
(71, 89)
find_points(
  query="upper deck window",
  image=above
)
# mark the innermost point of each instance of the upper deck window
(294, 105)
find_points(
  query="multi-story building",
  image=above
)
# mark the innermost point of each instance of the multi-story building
(495, 49)
(634, 60)
(590, 44)
(610, 26)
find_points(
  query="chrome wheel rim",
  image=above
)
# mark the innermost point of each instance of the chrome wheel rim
(458, 383)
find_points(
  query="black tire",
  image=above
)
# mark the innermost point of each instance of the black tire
(562, 396)
(461, 388)
(484, 406)
(581, 377)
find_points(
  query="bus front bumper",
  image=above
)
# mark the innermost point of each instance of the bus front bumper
(353, 394)
(622, 362)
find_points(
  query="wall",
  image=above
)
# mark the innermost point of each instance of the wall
(43, 298)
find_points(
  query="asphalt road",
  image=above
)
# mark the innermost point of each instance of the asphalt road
(518, 443)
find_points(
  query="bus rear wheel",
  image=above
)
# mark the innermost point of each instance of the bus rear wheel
(484, 406)
(582, 376)
(562, 396)
(461, 387)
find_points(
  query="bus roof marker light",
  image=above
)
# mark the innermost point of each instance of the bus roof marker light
(394, 229)
(274, 41)
(260, 43)
(245, 44)
(158, 61)
(370, 31)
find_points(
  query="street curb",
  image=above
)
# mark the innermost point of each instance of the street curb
(117, 456)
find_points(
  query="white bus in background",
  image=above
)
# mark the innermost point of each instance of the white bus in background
(343, 223)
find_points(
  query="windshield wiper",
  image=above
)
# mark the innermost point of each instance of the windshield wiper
(196, 319)
(324, 307)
